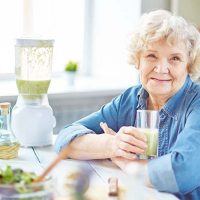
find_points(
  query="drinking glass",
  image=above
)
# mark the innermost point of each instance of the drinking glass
(148, 123)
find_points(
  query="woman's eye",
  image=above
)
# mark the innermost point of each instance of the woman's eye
(175, 58)
(151, 56)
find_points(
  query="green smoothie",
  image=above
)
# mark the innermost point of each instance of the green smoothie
(152, 141)
(33, 87)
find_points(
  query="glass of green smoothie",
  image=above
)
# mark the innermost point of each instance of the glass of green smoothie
(148, 123)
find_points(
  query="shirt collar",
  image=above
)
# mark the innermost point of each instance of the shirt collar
(142, 99)
(172, 103)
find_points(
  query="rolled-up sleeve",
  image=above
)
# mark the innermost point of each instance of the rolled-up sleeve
(178, 171)
(162, 175)
(68, 134)
(89, 124)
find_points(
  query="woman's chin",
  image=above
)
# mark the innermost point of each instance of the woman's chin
(160, 92)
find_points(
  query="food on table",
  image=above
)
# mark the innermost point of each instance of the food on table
(15, 183)
(13, 176)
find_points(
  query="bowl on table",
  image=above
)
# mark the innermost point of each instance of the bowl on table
(17, 184)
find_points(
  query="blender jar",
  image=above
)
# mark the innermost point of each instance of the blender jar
(33, 62)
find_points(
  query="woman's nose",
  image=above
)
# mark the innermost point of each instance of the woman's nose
(162, 67)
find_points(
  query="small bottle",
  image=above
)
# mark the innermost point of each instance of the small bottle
(9, 145)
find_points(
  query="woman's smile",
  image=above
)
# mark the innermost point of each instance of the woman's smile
(160, 80)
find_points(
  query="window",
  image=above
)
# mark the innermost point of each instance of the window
(93, 32)
(58, 19)
(9, 21)
(114, 20)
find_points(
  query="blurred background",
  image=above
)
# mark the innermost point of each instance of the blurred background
(93, 33)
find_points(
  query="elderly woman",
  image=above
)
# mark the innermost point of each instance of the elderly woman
(165, 50)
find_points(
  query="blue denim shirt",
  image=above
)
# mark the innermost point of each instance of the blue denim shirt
(176, 169)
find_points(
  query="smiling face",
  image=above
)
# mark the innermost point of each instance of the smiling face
(163, 68)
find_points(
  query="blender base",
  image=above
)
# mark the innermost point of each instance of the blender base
(33, 124)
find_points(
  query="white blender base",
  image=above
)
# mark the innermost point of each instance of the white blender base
(33, 125)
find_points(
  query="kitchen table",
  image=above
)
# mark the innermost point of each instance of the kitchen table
(131, 187)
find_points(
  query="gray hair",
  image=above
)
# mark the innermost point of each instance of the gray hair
(162, 24)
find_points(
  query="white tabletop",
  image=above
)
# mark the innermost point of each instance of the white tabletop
(36, 159)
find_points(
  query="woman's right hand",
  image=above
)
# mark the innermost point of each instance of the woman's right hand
(128, 143)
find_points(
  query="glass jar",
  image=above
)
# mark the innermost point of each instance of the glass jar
(9, 145)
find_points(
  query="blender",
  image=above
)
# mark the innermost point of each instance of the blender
(32, 119)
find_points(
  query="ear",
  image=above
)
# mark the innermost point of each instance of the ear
(137, 61)
(137, 64)
(189, 67)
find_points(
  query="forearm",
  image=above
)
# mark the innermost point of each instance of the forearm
(91, 146)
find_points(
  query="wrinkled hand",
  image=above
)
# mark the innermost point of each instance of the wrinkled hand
(127, 142)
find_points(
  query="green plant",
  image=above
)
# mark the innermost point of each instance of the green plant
(71, 66)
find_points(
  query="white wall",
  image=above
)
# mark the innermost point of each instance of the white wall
(149, 5)
(188, 9)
